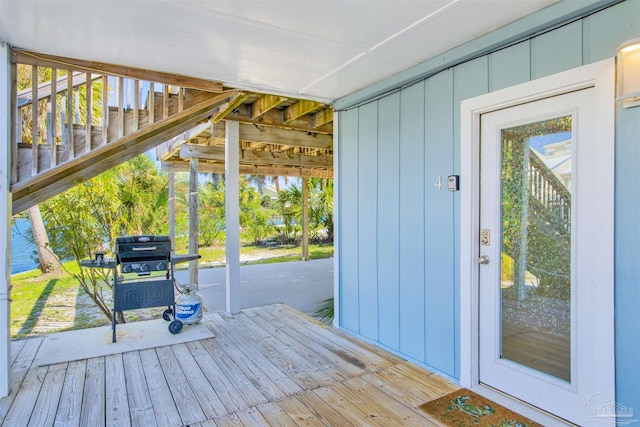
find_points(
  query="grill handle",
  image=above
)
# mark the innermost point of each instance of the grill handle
(144, 249)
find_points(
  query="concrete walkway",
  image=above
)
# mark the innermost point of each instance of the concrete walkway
(301, 285)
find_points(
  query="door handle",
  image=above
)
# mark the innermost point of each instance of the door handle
(483, 260)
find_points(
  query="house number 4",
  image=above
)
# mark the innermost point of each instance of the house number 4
(438, 183)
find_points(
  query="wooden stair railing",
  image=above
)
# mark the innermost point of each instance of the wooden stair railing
(87, 121)
(550, 193)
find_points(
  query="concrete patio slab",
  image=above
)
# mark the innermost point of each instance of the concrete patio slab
(94, 342)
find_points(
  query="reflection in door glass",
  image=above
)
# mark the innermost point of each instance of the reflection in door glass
(536, 246)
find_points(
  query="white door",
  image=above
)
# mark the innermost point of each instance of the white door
(546, 253)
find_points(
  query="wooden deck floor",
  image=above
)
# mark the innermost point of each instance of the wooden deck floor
(268, 366)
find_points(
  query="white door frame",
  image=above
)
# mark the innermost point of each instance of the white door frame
(600, 75)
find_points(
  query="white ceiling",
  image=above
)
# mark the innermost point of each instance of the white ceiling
(315, 49)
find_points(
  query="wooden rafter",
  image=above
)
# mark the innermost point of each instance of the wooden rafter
(267, 158)
(254, 136)
(322, 117)
(44, 60)
(171, 147)
(274, 118)
(265, 104)
(272, 135)
(299, 109)
(227, 108)
(218, 167)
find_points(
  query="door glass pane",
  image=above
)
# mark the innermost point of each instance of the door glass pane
(536, 246)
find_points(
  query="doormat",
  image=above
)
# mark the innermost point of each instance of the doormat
(464, 408)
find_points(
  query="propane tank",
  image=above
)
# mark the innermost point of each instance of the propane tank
(188, 305)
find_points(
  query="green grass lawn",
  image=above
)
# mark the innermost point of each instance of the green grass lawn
(52, 303)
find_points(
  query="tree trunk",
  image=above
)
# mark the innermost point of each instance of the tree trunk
(48, 260)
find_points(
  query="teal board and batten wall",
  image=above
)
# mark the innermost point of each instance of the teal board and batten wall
(399, 232)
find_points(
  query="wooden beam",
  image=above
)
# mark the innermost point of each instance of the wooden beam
(34, 120)
(294, 138)
(218, 167)
(151, 103)
(121, 107)
(44, 60)
(322, 117)
(264, 104)
(257, 157)
(274, 118)
(105, 108)
(273, 135)
(89, 113)
(53, 124)
(305, 219)
(15, 128)
(299, 109)
(227, 108)
(171, 147)
(65, 176)
(165, 101)
(70, 141)
(172, 210)
(193, 221)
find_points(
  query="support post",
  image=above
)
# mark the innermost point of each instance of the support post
(305, 219)
(193, 220)
(5, 222)
(172, 210)
(232, 213)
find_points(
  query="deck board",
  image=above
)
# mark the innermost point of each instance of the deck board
(44, 412)
(164, 406)
(268, 366)
(140, 405)
(321, 356)
(117, 407)
(71, 397)
(93, 400)
(184, 396)
(19, 369)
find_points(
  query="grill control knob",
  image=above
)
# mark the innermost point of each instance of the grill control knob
(160, 266)
(126, 269)
(144, 267)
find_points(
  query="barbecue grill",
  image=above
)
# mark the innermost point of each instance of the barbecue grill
(143, 254)
(135, 287)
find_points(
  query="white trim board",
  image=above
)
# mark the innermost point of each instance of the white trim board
(599, 75)
(5, 222)
(336, 220)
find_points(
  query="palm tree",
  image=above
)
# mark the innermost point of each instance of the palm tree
(48, 260)
(260, 181)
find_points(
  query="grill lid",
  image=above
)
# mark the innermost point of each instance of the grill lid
(147, 247)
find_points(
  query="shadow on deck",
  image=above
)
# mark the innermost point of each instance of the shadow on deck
(267, 366)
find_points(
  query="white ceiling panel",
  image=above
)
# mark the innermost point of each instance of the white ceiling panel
(458, 24)
(320, 49)
(367, 70)
(361, 23)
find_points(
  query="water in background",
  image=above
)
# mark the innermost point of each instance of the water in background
(22, 250)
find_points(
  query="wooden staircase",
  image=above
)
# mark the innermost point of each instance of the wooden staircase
(546, 204)
(91, 117)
